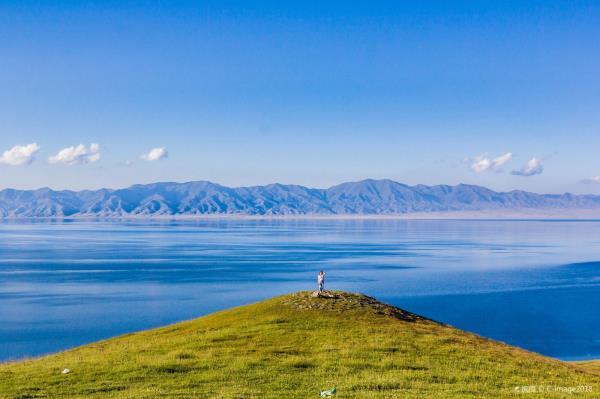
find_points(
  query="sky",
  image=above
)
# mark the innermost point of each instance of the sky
(108, 94)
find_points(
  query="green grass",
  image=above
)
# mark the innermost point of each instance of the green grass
(290, 347)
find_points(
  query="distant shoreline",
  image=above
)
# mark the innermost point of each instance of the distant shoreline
(580, 215)
(367, 199)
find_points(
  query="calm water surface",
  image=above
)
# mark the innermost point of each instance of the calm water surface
(535, 284)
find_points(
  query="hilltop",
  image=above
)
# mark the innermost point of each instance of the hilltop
(292, 346)
(367, 197)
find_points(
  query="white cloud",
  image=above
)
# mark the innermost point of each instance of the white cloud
(482, 163)
(156, 154)
(19, 155)
(77, 155)
(534, 167)
(593, 179)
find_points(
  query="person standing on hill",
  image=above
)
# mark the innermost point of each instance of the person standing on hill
(321, 280)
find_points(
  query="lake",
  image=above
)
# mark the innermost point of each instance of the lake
(534, 284)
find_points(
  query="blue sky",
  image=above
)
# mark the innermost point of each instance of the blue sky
(502, 94)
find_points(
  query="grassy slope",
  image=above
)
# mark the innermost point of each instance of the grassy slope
(290, 347)
(592, 366)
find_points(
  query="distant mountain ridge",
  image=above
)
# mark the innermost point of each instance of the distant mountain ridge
(367, 197)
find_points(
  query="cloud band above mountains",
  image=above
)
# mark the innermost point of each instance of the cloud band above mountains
(155, 154)
(76, 155)
(482, 163)
(533, 167)
(20, 155)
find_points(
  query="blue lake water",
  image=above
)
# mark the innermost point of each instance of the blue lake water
(535, 284)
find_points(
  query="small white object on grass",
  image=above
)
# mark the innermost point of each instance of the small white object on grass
(66, 371)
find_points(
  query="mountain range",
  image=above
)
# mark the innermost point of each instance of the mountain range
(367, 197)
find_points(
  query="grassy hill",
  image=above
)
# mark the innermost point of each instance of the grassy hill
(592, 366)
(292, 346)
